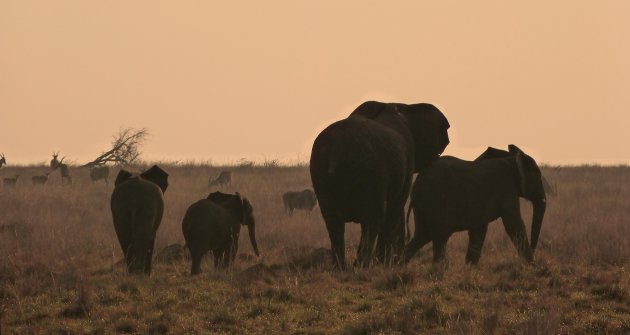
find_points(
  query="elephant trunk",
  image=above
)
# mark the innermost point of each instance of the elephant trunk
(539, 212)
(252, 237)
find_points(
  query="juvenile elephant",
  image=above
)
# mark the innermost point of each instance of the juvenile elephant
(454, 195)
(137, 205)
(299, 200)
(214, 224)
(361, 169)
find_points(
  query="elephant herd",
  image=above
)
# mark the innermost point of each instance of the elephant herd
(362, 171)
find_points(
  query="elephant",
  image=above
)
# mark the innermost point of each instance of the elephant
(455, 195)
(214, 224)
(137, 205)
(305, 199)
(362, 169)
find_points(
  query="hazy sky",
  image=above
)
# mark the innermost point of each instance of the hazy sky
(260, 79)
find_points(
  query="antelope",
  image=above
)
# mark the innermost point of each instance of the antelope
(40, 180)
(54, 163)
(3, 161)
(223, 179)
(10, 182)
(63, 169)
(99, 172)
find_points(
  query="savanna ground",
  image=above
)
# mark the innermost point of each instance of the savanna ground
(58, 271)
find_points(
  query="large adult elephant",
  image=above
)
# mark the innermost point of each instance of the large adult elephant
(362, 167)
(455, 195)
(137, 205)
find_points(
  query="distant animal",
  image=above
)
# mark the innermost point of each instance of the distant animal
(454, 195)
(66, 178)
(99, 172)
(299, 200)
(362, 169)
(223, 179)
(3, 161)
(54, 162)
(40, 180)
(10, 182)
(137, 205)
(214, 224)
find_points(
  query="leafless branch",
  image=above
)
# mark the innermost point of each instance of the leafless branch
(125, 148)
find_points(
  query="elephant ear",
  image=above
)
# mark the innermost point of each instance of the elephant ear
(123, 176)
(157, 176)
(491, 153)
(247, 209)
(373, 109)
(520, 165)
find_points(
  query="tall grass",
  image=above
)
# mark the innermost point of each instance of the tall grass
(58, 272)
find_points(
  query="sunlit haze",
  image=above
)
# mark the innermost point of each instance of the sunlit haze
(220, 81)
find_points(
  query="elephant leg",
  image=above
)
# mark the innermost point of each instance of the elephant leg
(122, 226)
(391, 239)
(149, 258)
(439, 249)
(221, 258)
(336, 231)
(196, 254)
(137, 256)
(515, 228)
(413, 246)
(475, 243)
(366, 245)
(234, 249)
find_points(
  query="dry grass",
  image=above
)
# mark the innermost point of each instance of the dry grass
(58, 271)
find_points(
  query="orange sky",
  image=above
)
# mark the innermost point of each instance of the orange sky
(260, 79)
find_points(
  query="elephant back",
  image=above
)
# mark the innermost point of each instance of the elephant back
(205, 219)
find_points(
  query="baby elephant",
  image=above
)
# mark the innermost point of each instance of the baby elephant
(299, 200)
(454, 195)
(214, 224)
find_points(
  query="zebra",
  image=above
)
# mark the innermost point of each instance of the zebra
(3, 161)
(10, 182)
(223, 179)
(66, 178)
(99, 172)
(299, 200)
(40, 180)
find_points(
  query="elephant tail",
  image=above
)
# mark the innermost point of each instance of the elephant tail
(407, 232)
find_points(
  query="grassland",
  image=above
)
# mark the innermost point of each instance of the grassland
(59, 272)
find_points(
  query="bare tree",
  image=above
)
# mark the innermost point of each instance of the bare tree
(125, 148)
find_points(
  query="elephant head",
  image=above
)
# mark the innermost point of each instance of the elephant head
(123, 175)
(155, 175)
(530, 184)
(242, 210)
(426, 123)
